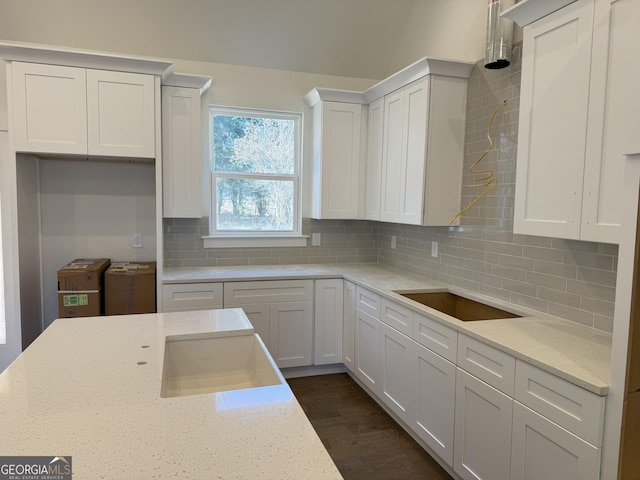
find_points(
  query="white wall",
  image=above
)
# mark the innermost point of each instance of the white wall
(89, 210)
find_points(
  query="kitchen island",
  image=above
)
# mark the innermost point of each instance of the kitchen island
(90, 388)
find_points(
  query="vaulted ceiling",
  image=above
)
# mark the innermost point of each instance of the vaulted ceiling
(356, 38)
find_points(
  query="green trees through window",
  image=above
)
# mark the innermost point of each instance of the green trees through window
(255, 171)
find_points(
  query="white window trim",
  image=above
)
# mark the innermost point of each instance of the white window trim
(254, 238)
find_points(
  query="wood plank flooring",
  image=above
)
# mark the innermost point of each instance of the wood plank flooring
(362, 439)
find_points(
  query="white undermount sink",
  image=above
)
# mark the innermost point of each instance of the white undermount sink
(208, 365)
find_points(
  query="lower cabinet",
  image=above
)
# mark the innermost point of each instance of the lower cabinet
(349, 326)
(281, 312)
(368, 350)
(482, 441)
(182, 297)
(396, 385)
(291, 333)
(435, 392)
(328, 313)
(541, 449)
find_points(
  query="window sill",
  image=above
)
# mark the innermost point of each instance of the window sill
(255, 241)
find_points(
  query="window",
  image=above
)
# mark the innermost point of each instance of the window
(255, 177)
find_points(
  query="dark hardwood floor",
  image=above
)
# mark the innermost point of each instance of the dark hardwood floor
(363, 441)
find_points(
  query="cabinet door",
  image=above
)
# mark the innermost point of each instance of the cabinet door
(542, 449)
(613, 93)
(349, 326)
(482, 441)
(258, 315)
(368, 350)
(121, 114)
(49, 109)
(328, 321)
(393, 151)
(435, 390)
(291, 333)
(337, 166)
(396, 387)
(553, 122)
(373, 179)
(181, 153)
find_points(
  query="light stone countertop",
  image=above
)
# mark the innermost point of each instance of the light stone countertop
(574, 352)
(79, 391)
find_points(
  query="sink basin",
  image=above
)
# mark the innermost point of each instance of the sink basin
(458, 306)
(208, 365)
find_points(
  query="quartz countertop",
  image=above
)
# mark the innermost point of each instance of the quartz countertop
(89, 388)
(574, 352)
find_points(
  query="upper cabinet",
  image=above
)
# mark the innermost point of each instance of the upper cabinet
(183, 167)
(394, 152)
(339, 124)
(576, 112)
(70, 110)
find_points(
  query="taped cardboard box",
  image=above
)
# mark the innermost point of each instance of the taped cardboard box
(80, 304)
(82, 274)
(130, 288)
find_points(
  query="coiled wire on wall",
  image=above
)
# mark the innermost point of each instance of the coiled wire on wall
(489, 180)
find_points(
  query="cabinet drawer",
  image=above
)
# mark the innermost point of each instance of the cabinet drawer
(368, 302)
(191, 296)
(574, 408)
(487, 363)
(270, 291)
(397, 316)
(435, 336)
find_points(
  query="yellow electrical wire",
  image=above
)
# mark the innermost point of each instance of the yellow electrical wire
(489, 180)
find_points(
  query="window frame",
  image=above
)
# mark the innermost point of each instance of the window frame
(249, 238)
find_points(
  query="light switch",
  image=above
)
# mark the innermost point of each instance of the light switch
(434, 249)
(393, 242)
(315, 239)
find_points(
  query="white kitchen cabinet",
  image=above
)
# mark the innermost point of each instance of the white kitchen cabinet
(49, 108)
(339, 132)
(70, 110)
(182, 162)
(541, 449)
(397, 316)
(483, 421)
(180, 297)
(576, 110)
(282, 314)
(121, 114)
(328, 325)
(368, 361)
(396, 385)
(435, 390)
(349, 326)
(373, 169)
(291, 333)
(423, 141)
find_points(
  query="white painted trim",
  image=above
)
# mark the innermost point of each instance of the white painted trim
(186, 80)
(255, 241)
(327, 94)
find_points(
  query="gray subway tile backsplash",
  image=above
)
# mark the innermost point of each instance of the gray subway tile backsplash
(568, 278)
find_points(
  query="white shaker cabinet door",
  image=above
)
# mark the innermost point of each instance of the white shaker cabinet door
(435, 390)
(368, 350)
(554, 103)
(396, 385)
(541, 449)
(349, 326)
(373, 176)
(291, 333)
(482, 441)
(182, 163)
(49, 109)
(328, 321)
(121, 114)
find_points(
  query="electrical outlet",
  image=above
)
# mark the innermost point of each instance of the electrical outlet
(434, 249)
(393, 242)
(315, 239)
(137, 240)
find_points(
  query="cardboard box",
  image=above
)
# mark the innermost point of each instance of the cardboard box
(80, 304)
(82, 274)
(130, 288)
